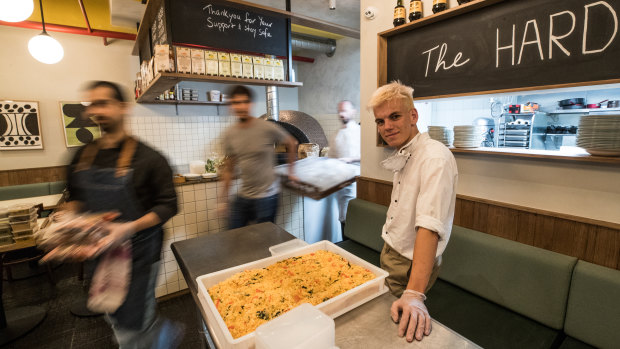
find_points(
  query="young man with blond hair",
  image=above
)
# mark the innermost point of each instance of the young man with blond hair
(419, 219)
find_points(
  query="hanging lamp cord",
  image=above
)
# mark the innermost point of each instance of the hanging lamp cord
(42, 19)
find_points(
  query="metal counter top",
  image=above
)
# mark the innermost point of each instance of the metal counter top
(370, 326)
(367, 326)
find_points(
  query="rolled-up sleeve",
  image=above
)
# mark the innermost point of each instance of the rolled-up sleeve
(435, 204)
(164, 195)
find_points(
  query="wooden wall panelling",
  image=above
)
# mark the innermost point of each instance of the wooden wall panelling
(481, 211)
(543, 233)
(526, 227)
(466, 214)
(606, 247)
(593, 241)
(569, 238)
(373, 190)
(32, 175)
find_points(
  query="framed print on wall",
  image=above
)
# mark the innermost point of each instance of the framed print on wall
(20, 125)
(78, 128)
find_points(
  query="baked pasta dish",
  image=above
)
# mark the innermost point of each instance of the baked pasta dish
(250, 298)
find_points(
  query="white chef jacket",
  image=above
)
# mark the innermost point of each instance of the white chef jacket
(423, 195)
(346, 142)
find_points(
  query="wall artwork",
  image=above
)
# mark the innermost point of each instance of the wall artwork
(79, 129)
(20, 125)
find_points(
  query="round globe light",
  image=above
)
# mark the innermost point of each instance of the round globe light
(45, 49)
(15, 10)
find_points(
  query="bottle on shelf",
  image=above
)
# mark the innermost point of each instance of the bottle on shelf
(439, 5)
(399, 14)
(461, 2)
(415, 10)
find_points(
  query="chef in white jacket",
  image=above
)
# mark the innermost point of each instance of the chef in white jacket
(345, 146)
(419, 219)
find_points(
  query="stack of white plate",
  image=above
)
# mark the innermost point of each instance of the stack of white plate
(600, 134)
(442, 134)
(468, 136)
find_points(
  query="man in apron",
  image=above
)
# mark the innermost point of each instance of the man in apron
(419, 219)
(118, 173)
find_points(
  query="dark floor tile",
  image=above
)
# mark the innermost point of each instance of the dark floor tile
(60, 329)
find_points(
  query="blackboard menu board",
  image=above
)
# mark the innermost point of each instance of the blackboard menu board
(159, 34)
(219, 24)
(510, 45)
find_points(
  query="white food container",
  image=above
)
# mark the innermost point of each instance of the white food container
(333, 307)
(288, 246)
(303, 327)
(197, 167)
(214, 96)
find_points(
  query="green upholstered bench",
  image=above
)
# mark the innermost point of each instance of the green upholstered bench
(500, 293)
(593, 311)
(24, 191)
(363, 229)
(57, 187)
(31, 190)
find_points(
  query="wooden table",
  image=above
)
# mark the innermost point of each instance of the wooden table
(49, 201)
(367, 326)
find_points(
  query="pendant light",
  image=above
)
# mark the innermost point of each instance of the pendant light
(43, 47)
(15, 10)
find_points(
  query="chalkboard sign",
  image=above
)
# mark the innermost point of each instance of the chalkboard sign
(510, 45)
(159, 34)
(218, 24)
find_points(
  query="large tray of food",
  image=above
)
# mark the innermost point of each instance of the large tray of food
(239, 299)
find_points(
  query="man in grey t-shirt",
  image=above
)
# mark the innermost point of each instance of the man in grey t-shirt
(250, 146)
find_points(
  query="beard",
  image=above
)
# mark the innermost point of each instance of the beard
(107, 125)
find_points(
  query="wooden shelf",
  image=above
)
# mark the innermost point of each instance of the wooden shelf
(165, 81)
(181, 102)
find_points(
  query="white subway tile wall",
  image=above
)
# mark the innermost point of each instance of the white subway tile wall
(183, 139)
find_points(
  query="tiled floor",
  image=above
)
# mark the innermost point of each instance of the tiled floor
(61, 330)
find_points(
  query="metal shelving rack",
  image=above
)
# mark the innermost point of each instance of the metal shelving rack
(516, 135)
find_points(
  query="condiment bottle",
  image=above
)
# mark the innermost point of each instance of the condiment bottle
(439, 5)
(415, 10)
(399, 14)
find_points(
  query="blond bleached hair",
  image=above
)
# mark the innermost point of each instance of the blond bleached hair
(395, 90)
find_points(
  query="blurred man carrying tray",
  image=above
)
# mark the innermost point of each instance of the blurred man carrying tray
(118, 173)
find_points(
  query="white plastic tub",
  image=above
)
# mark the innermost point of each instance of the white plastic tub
(303, 327)
(333, 307)
(288, 246)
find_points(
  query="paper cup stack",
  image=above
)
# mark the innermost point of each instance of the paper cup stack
(600, 134)
(441, 134)
(468, 136)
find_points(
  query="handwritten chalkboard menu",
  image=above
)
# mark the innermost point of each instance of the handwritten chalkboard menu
(510, 45)
(218, 24)
(158, 29)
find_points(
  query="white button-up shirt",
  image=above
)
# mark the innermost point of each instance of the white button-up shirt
(423, 195)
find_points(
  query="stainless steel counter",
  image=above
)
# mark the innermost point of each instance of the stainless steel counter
(368, 326)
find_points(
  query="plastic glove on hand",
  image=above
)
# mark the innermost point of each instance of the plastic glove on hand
(414, 317)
